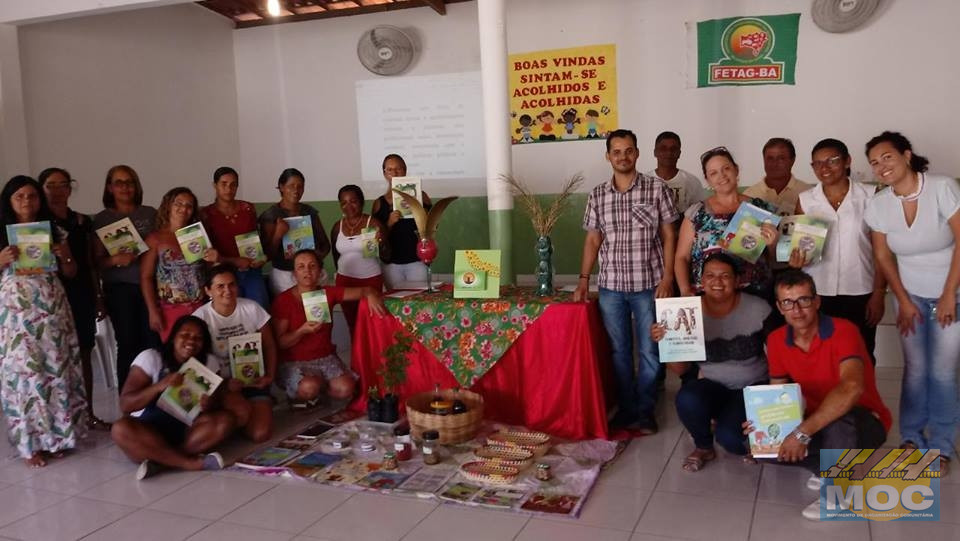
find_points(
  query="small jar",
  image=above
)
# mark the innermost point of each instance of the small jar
(402, 444)
(543, 472)
(340, 442)
(430, 447)
(389, 461)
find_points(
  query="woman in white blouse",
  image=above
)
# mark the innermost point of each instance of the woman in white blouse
(845, 277)
(916, 228)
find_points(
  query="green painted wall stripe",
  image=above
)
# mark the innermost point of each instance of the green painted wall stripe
(466, 224)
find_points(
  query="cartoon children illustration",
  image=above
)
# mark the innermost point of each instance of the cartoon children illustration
(524, 130)
(546, 119)
(593, 122)
(570, 120)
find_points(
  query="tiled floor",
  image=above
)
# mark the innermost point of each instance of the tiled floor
(644, 495)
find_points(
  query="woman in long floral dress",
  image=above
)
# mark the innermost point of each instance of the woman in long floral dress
(41, 386)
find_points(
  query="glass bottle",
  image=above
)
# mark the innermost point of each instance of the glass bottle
(430, 447)
(458, 405)
(439, 406)
(402, 444)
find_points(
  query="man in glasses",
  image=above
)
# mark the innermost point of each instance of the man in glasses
(828, 358)
(778, 186)
(629, 223)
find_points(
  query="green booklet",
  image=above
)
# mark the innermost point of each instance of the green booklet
(809, 235)
(476, 274)
(122, 237)
(775, 411)
(183, 401)
(194, 242)
(249, 246)
(316, 307)
(299, 236)
(409, 186)
(246, 358)
(368, 238)
(742, 236)
(33, 240)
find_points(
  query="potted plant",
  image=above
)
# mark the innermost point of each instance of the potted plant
(374, 404)
(394, 374)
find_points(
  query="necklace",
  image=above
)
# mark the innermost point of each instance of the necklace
(911, 196)
(839, 201)
(355, 226)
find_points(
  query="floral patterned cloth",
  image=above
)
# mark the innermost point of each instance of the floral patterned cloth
(42, 386)
(470, 335)
(178, 281)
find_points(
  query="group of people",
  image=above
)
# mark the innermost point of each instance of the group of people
(165, 310)
(808, 322)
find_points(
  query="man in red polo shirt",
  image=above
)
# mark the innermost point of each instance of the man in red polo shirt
(829, 360)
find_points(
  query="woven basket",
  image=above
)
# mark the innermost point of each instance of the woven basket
(537, 443)
(452, 428)
(490, 474)
(517, 457)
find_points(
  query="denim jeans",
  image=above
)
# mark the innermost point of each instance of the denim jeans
(929, 399)
(701, 400)
(858, 429)
(252, 286)
(637, 389)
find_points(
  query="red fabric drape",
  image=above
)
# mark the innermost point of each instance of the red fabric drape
(551, 379)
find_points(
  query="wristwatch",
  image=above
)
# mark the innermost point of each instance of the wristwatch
(802, 438)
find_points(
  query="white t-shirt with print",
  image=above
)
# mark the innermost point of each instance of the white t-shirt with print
(247, 317)
(151, 363)
(685, 188)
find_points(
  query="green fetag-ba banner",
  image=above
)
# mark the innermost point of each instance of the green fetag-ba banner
(759, 50)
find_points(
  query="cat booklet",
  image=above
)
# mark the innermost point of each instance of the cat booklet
(246, 357)
(193, 241)
(122, 237)
(682, 318)
(183, 401)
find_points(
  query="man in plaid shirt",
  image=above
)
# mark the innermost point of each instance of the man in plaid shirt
(629, 226)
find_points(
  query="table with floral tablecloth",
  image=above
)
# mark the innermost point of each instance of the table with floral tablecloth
(542, 362)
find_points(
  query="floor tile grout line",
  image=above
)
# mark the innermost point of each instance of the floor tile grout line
(666, 465)
(756, 496)
(332, 509)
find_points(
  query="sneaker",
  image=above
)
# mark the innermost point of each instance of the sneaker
(812, 511)
(212, 461)
(147, 468)
(814, 482)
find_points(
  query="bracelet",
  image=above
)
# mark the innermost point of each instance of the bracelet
(584, 276)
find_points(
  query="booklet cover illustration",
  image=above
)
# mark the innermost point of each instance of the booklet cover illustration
(476, 274)
(809, 236)
(682, 317)
(299, 236)
(409, 186)
(249, 246)
(775, 411)
(742, 237)
(183, 401)
(122, 237)
(316, 307)
(194, 242)
(246, 358)
(368, 239)
(33, 240)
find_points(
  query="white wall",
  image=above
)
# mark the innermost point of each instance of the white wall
(13, 128)
(295, 86)
(175, 91)
(151, 88)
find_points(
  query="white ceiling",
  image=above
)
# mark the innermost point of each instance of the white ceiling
(32, 11)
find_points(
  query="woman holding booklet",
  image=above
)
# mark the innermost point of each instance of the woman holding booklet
(83, 289)
(735, 328)
(308, 359)
(404, 268)
(41, 390)
(290, 226)
(120, 267)
(704, 224)
(241, 325)
(846, 281)
(229, 218)
(149, 435)
(358, 247)
(174, 270)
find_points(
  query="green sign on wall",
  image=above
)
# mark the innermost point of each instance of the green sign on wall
(747, 50)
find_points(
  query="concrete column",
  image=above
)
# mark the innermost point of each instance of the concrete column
(496, 124)
(14, 159)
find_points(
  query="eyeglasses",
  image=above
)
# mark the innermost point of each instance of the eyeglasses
(713, 152)
(123, 182)
(831, 161)
(789, 304)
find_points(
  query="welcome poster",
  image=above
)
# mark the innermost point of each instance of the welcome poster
(747, 50)
(563, 94)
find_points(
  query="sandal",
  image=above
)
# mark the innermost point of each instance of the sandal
(96, 423)
(36, 460)
(697, 459)
(748, 459)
